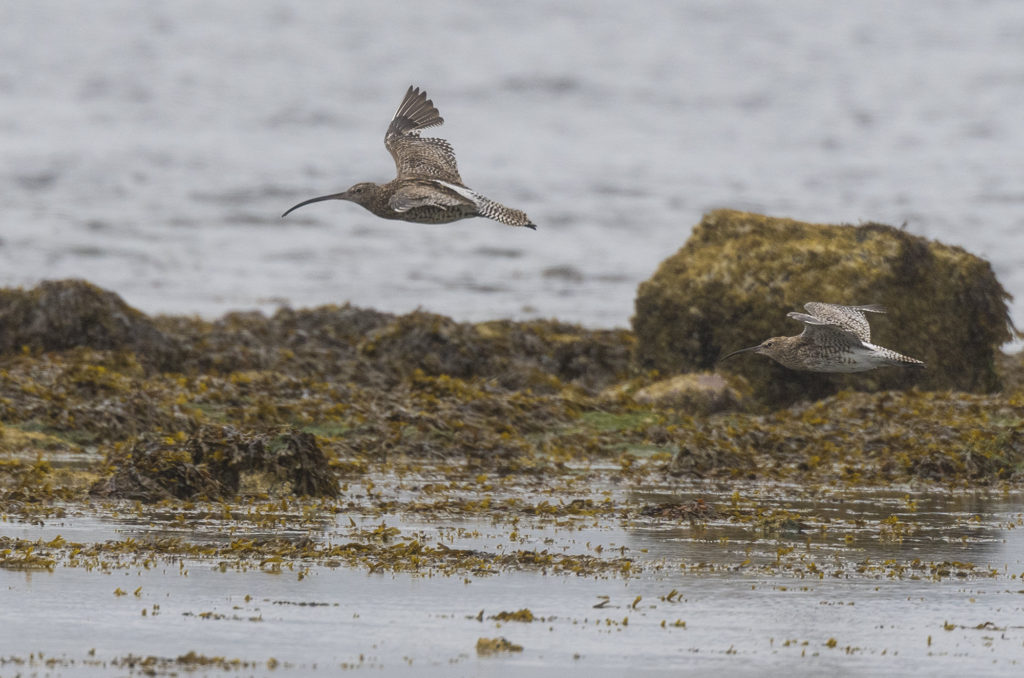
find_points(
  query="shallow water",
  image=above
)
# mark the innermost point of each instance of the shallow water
(151, 147)
(750, 607)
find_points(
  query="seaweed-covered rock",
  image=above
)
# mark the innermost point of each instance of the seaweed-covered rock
(60, 314)
(210, 464)
(518, 355)
(733, 282)
(289, 455)
(320, 341)
(348, 343)
(155, 469)
(432, 343)
(591, 359)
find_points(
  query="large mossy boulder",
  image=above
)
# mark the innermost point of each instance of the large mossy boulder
(57, 315)
(734, 280)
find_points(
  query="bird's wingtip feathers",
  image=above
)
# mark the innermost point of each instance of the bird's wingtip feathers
(416, 112)
(873, 308)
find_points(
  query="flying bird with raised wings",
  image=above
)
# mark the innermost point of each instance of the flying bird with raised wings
(428, 188)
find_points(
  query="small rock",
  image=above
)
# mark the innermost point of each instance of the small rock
(696, 393)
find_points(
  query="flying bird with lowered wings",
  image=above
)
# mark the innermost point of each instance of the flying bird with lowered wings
(835, 339)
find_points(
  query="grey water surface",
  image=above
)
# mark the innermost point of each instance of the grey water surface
(151, 147)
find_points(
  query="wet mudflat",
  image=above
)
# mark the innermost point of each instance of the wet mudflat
(582, 575)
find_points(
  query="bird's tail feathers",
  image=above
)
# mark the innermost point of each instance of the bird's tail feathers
(492, 209)
(506, 215)
(900, 360)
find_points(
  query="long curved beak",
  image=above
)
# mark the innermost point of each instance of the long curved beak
(332, 196)
(742, 350)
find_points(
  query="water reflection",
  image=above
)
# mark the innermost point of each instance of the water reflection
(851, 525)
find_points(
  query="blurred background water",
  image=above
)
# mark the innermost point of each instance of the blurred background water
(151, 147)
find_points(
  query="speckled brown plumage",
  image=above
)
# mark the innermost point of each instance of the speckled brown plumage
(428, 188)
(835, 339)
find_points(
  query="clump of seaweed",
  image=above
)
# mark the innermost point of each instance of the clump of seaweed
(524, 615)
(25, 481)
(695, 512)
(210, 465)
(489, 646)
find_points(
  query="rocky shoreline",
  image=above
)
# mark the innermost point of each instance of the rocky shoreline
(302, 402)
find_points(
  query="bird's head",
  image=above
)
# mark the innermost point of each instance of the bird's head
(360, 193)
(768, 347)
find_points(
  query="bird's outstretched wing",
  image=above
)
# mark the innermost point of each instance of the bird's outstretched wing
(416, 157)
(849, 319)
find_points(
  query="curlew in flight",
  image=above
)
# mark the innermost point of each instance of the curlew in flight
(835, 339)
(428, 188)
